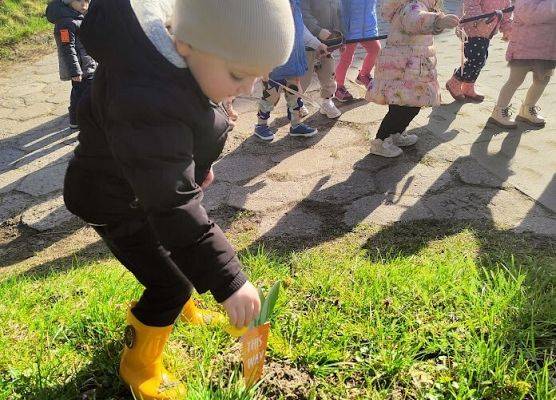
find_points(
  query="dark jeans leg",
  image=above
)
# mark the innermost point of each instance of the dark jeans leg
(396, 120)
(77, 91)
(166, 289)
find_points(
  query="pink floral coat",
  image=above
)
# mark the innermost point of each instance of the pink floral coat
(533, 33)
(405, 72)
(472, 8)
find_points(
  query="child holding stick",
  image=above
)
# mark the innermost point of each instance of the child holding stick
(405, 77)
(359, 21)
(322, 18)
(479, 33)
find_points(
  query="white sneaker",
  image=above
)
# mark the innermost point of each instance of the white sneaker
(404, 139)
(530, 115)
(385, 148)
(502, 117)
(303, 111)
(329, 109)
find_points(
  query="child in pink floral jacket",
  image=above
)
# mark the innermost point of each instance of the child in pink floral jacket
(405, 73)
(462, 84)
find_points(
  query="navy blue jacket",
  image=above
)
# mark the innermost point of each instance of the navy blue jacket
(73, 59)
(296, 66)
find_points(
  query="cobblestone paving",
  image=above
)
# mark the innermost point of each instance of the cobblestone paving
(460, 168)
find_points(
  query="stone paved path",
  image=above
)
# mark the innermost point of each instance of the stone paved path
(460, 169)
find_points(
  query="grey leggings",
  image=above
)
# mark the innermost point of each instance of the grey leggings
(517, 76)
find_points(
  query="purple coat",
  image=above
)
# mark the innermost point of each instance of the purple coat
(533, 33)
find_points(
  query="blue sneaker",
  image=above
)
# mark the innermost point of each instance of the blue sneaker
(303, 130)
(263, 132)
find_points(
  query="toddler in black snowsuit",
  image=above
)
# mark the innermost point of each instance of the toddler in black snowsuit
(74, 62)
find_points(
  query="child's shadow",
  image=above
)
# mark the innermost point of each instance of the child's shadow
(316, 117)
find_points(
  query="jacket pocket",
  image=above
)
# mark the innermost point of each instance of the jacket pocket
(427, 71)
(420, 68)
(412, 70)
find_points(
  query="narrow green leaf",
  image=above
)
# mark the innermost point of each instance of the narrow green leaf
(262, 299)
(264, 308)
(272, 298)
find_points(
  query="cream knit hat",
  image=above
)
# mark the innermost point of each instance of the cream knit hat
(254, 33)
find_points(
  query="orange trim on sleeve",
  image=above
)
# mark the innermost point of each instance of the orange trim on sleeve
(64, 35)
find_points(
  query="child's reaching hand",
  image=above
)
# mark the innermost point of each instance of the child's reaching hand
(447, 21)
(324, 34)
(243, 306)
(322, 50)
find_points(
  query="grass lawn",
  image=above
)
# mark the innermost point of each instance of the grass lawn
(19, 20)
(409, 312)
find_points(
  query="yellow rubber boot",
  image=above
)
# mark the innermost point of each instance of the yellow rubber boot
(198, 316)
(141, 364)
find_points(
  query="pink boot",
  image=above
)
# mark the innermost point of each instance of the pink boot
(454, 87)
(363, 80)
(468, 90)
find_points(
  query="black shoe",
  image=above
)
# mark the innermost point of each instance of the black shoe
(73, 122)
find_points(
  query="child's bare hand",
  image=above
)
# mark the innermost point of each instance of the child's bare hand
(447, 21)
(324, 34)
(322, 50)
(243, 306)
(208, 179)
(77, 78)
(498, 15)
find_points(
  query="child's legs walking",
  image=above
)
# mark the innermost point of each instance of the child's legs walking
(396, 120)
(517, 76)
(326, 75)
(540, 81)
(271, 96)
(476, 54)
(166, 289)
(346, 58)
(311, 56)
(294, 103)
(373, 48)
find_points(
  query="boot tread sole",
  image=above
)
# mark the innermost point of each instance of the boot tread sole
(304, 134)
(265, 138)
(474, 99)
(328, 116)
(527, 121)
(376, 153)
(500, 124)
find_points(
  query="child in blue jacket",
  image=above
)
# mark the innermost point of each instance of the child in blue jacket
(288, 75)
(360, 21)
